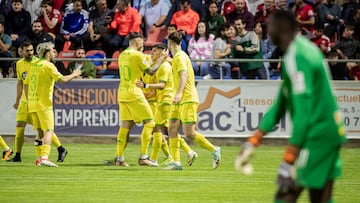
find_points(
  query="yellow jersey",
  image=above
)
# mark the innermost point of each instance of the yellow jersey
(181, 62)
(149, 79)
(22, 68)
(132, 65)
(164, 74)
(40, 79)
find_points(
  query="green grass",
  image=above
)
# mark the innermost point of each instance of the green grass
(83, 178)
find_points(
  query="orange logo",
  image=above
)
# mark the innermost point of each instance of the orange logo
(211, 94)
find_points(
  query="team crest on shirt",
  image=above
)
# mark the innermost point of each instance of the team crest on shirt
(23, 75)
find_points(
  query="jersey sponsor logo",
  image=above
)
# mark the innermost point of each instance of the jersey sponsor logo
(23, 75)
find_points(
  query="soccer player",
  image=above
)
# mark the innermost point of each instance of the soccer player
(185, 106)
(39, 87)
(318, 131)
(163, 85)
(22, 115)
(6, 149)
(132, 103)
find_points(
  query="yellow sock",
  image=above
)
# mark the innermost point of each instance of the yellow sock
(55, 141)
(165, 148)
(38, 147)
(121, 141)
(45, 150)
(184, 146)
(146, 137)
(157, 141)
(19, 139)
(3, 144)
(203, 142)
(175, 149)
(38, 150)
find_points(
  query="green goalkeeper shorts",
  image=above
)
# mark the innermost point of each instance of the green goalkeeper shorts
(317, 165)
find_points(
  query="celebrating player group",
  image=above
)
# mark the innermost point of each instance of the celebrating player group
(160, 93)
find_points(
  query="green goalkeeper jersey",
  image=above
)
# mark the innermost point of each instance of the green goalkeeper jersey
(306, 94)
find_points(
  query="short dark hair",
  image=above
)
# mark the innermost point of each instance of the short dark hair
(173, 25)
(160, 46)
(184, 1)
(349, 26)
(16, 1)
(213, 2)
(25, 44)
(133, 35)
(286, 17)
(176, 37)
(47, 2)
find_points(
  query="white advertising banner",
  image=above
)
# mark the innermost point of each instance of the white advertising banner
(229, 108)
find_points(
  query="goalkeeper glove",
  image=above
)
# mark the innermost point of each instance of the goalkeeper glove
(285, 179)
(243, 159)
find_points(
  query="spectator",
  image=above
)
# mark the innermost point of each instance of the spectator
(196, 6)
(264, 11)
(321, 40)
(154, 14)
(88, 70)
(253, 5)
(126, 20)
(50, 18)
(201, 47)
(329, 14)
(5, 47)
(348, 8)
(186, 19)
(356, 22)
(213, 18)
(247, 45)
(56, 4)
(221, 50)
(100, 18)
(281, 5)
(143, 2)
(338, 70)
(38, 35)
(266, 46)
(347, 46)
(33, 7)
(5, 7)
(18, 23)
(243, 13)
(231, 33)
(305, 16)
(68, 5)
(171, 29)
(227, 7)
(75, 24)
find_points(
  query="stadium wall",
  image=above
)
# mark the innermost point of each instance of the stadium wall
(228, 108)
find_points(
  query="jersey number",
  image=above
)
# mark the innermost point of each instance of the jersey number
(125, 72)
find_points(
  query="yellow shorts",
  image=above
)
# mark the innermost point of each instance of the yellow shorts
(22, 114)
(186, 113)
(138, 111)
(153, 105)
(162, 114)
(43, 120)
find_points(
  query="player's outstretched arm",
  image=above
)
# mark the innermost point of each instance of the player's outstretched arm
(74, 74)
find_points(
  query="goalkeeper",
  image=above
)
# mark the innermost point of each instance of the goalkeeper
(318, 131)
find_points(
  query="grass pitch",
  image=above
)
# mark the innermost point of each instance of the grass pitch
(84, 178)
